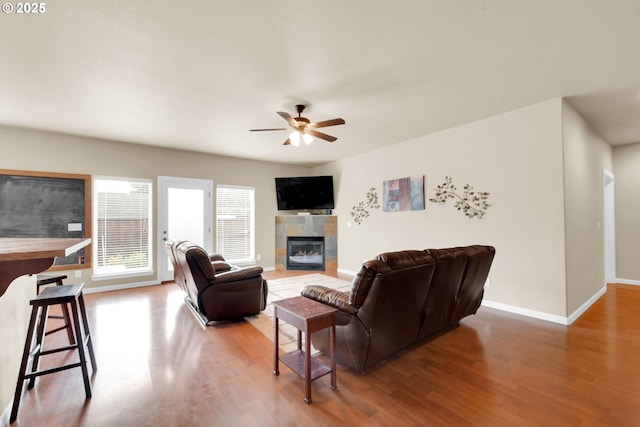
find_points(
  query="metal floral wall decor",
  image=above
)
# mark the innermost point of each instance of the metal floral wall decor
(472, 203)
(361, 210)
(405, 194)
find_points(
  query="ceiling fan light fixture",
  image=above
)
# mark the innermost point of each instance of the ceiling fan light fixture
(308, 139)
(295, 138)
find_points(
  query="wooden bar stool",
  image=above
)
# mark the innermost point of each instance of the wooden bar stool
(65, 295)
(42, 280)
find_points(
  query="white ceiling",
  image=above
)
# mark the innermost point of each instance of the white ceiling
(198, 75)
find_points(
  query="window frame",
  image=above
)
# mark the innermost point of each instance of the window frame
(252, 224)
(98, 272)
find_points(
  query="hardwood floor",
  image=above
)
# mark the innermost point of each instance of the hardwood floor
(158, 367)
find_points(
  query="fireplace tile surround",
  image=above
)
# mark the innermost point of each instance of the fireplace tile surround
(307, 226)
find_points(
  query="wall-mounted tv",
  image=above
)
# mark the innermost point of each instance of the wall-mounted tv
(304, 193)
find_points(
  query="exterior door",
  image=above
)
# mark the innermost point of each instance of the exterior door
(185, 212)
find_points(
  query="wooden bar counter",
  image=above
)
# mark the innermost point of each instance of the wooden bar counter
(20, 256)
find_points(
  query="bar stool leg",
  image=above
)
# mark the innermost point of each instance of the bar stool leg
(87, 331)
(80, 344)
(67, 323)
(40, 333)
(23, 364)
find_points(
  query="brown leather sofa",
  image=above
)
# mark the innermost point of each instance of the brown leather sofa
(214, 289)
(402, 298)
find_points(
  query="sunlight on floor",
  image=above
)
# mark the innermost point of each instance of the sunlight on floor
(128, 342)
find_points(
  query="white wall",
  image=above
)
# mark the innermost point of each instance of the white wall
(586, 155)
(14, 318)
(517, 157)
(626, 159)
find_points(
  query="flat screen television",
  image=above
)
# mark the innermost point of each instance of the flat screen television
(304, 193)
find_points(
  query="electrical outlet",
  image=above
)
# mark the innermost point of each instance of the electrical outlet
(258, 257)
(78, 274)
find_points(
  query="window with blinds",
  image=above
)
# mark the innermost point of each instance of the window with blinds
(235, 223)
(122, 226)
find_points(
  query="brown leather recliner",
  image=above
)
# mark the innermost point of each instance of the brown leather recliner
(401, 298)
(216, 290)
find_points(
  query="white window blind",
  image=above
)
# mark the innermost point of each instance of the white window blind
(235, 223)
(122, 226)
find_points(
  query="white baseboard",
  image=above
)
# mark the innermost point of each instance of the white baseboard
(628, 282)
(546, 316)
(584, 307)
(525, 312)
(4, 418)
(120, 287)
(347, 272)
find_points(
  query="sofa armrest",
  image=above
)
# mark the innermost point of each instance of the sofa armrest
(331, 297)
(220, 266)
(235, 275)
(216, 257)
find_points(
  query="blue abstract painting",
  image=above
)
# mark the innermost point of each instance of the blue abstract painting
(404, 194)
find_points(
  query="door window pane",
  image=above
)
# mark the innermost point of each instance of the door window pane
(186, 215)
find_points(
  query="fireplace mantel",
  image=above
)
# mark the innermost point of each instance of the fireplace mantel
(307, 226)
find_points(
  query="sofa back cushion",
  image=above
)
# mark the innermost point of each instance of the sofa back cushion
(479, 259)
(178, 275)
(383, 263)
(440, 303)
(392, 309)
(405, 259)
(197, 269)
(363, 279)
(189, 284)
(200, 265)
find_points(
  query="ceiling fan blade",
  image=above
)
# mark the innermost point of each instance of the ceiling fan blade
(287, 142)
(325, 123)
(320, 135)
(260, 130)
(289, 119)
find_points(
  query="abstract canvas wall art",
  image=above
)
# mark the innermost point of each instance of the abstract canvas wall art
(404, 194)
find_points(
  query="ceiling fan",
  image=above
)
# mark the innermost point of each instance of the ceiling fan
(303, 129)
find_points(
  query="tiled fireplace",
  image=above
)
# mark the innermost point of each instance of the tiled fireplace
(317, 228)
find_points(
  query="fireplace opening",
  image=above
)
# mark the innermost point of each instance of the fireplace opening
(305, 253)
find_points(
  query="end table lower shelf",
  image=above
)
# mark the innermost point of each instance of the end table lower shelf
(295, 361)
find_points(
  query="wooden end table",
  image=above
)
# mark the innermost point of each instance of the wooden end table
(307, 316)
